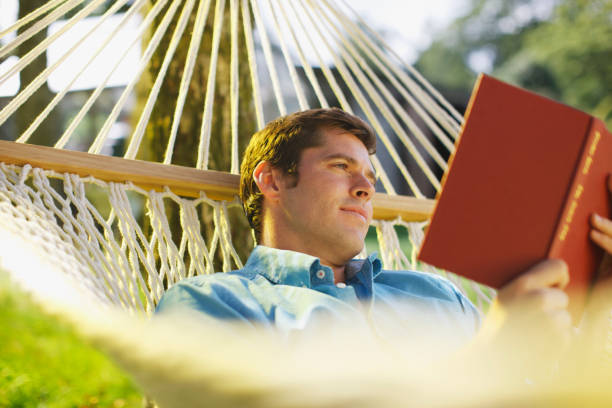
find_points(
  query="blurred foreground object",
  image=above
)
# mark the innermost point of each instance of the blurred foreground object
(190, 361)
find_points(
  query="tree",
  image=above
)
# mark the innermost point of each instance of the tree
(185, 152)
(560, 48)
(37, 102)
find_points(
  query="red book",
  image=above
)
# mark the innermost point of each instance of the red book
(526, 175)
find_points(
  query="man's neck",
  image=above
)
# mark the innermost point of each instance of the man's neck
(339, 272)
(272, 238)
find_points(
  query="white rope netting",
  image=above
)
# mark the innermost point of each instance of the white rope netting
(110, 253)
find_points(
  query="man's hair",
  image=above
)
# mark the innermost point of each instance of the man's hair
(281, 143)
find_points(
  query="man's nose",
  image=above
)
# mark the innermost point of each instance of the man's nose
(363, 187)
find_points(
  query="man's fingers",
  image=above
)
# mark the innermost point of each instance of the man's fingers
(551, 273)
(548, 299)
(603, 240)
(544, 309)
(602, 224)
(562, 319)
(546, 274)
(602, 235)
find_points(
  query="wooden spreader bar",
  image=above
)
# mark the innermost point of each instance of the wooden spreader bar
(184, 181)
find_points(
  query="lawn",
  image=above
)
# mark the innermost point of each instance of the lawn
(43, 363)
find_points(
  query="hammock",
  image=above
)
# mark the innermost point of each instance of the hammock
(93, 208)
(92, 236)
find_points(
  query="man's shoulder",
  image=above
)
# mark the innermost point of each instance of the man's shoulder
(419, 283)
(217, 277)
(226, 295)
(210, 285)
(405, 275)
(424, 287)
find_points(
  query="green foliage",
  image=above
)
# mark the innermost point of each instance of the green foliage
(560, 48)
(44, 364)
(576, 47)
(455, 74)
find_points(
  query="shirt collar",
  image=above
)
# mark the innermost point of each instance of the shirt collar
(292, 268)
(362, 273)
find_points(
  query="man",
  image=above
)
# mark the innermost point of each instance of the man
(306, 186)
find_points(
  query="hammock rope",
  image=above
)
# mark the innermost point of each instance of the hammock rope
(58, 97)
(288, 60)
(69, 132)
(234, 87)
(33, 15)
(210, 88)
(248, 35)
(365, 106)
(36, 27)
(373, 92)
(438, 106)
(329, 30)
(361, 42)
(102, 136)
(303, 60)
(136, 138)
(42, 47)
(194, 45)
(269, 59)
(122, 266)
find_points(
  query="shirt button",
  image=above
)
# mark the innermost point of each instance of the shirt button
(341, 285)
(320, 274)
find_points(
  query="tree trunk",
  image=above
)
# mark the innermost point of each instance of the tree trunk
(187, 141)
(49, 130)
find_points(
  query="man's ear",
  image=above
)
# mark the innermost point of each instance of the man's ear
(267, 179)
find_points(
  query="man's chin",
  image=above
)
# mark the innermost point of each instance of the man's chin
(343, 246)
(353, 250)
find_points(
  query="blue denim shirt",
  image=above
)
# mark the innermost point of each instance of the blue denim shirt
(290, 290)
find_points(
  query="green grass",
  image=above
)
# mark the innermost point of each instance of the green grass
(371, 241)
(43, 363)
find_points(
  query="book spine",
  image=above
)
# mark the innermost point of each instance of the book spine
(575, 196)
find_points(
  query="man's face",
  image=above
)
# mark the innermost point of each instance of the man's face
(328, 212)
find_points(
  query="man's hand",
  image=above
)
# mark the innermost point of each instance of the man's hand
(590, 345)
(528, 326)
(601, 234)
(536, 301)
(533, 305)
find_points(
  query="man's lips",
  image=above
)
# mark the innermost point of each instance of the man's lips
(356, 211)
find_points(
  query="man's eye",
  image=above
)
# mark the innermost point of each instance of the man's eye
(342, 166)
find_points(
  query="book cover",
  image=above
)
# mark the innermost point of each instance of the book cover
(526, 175)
